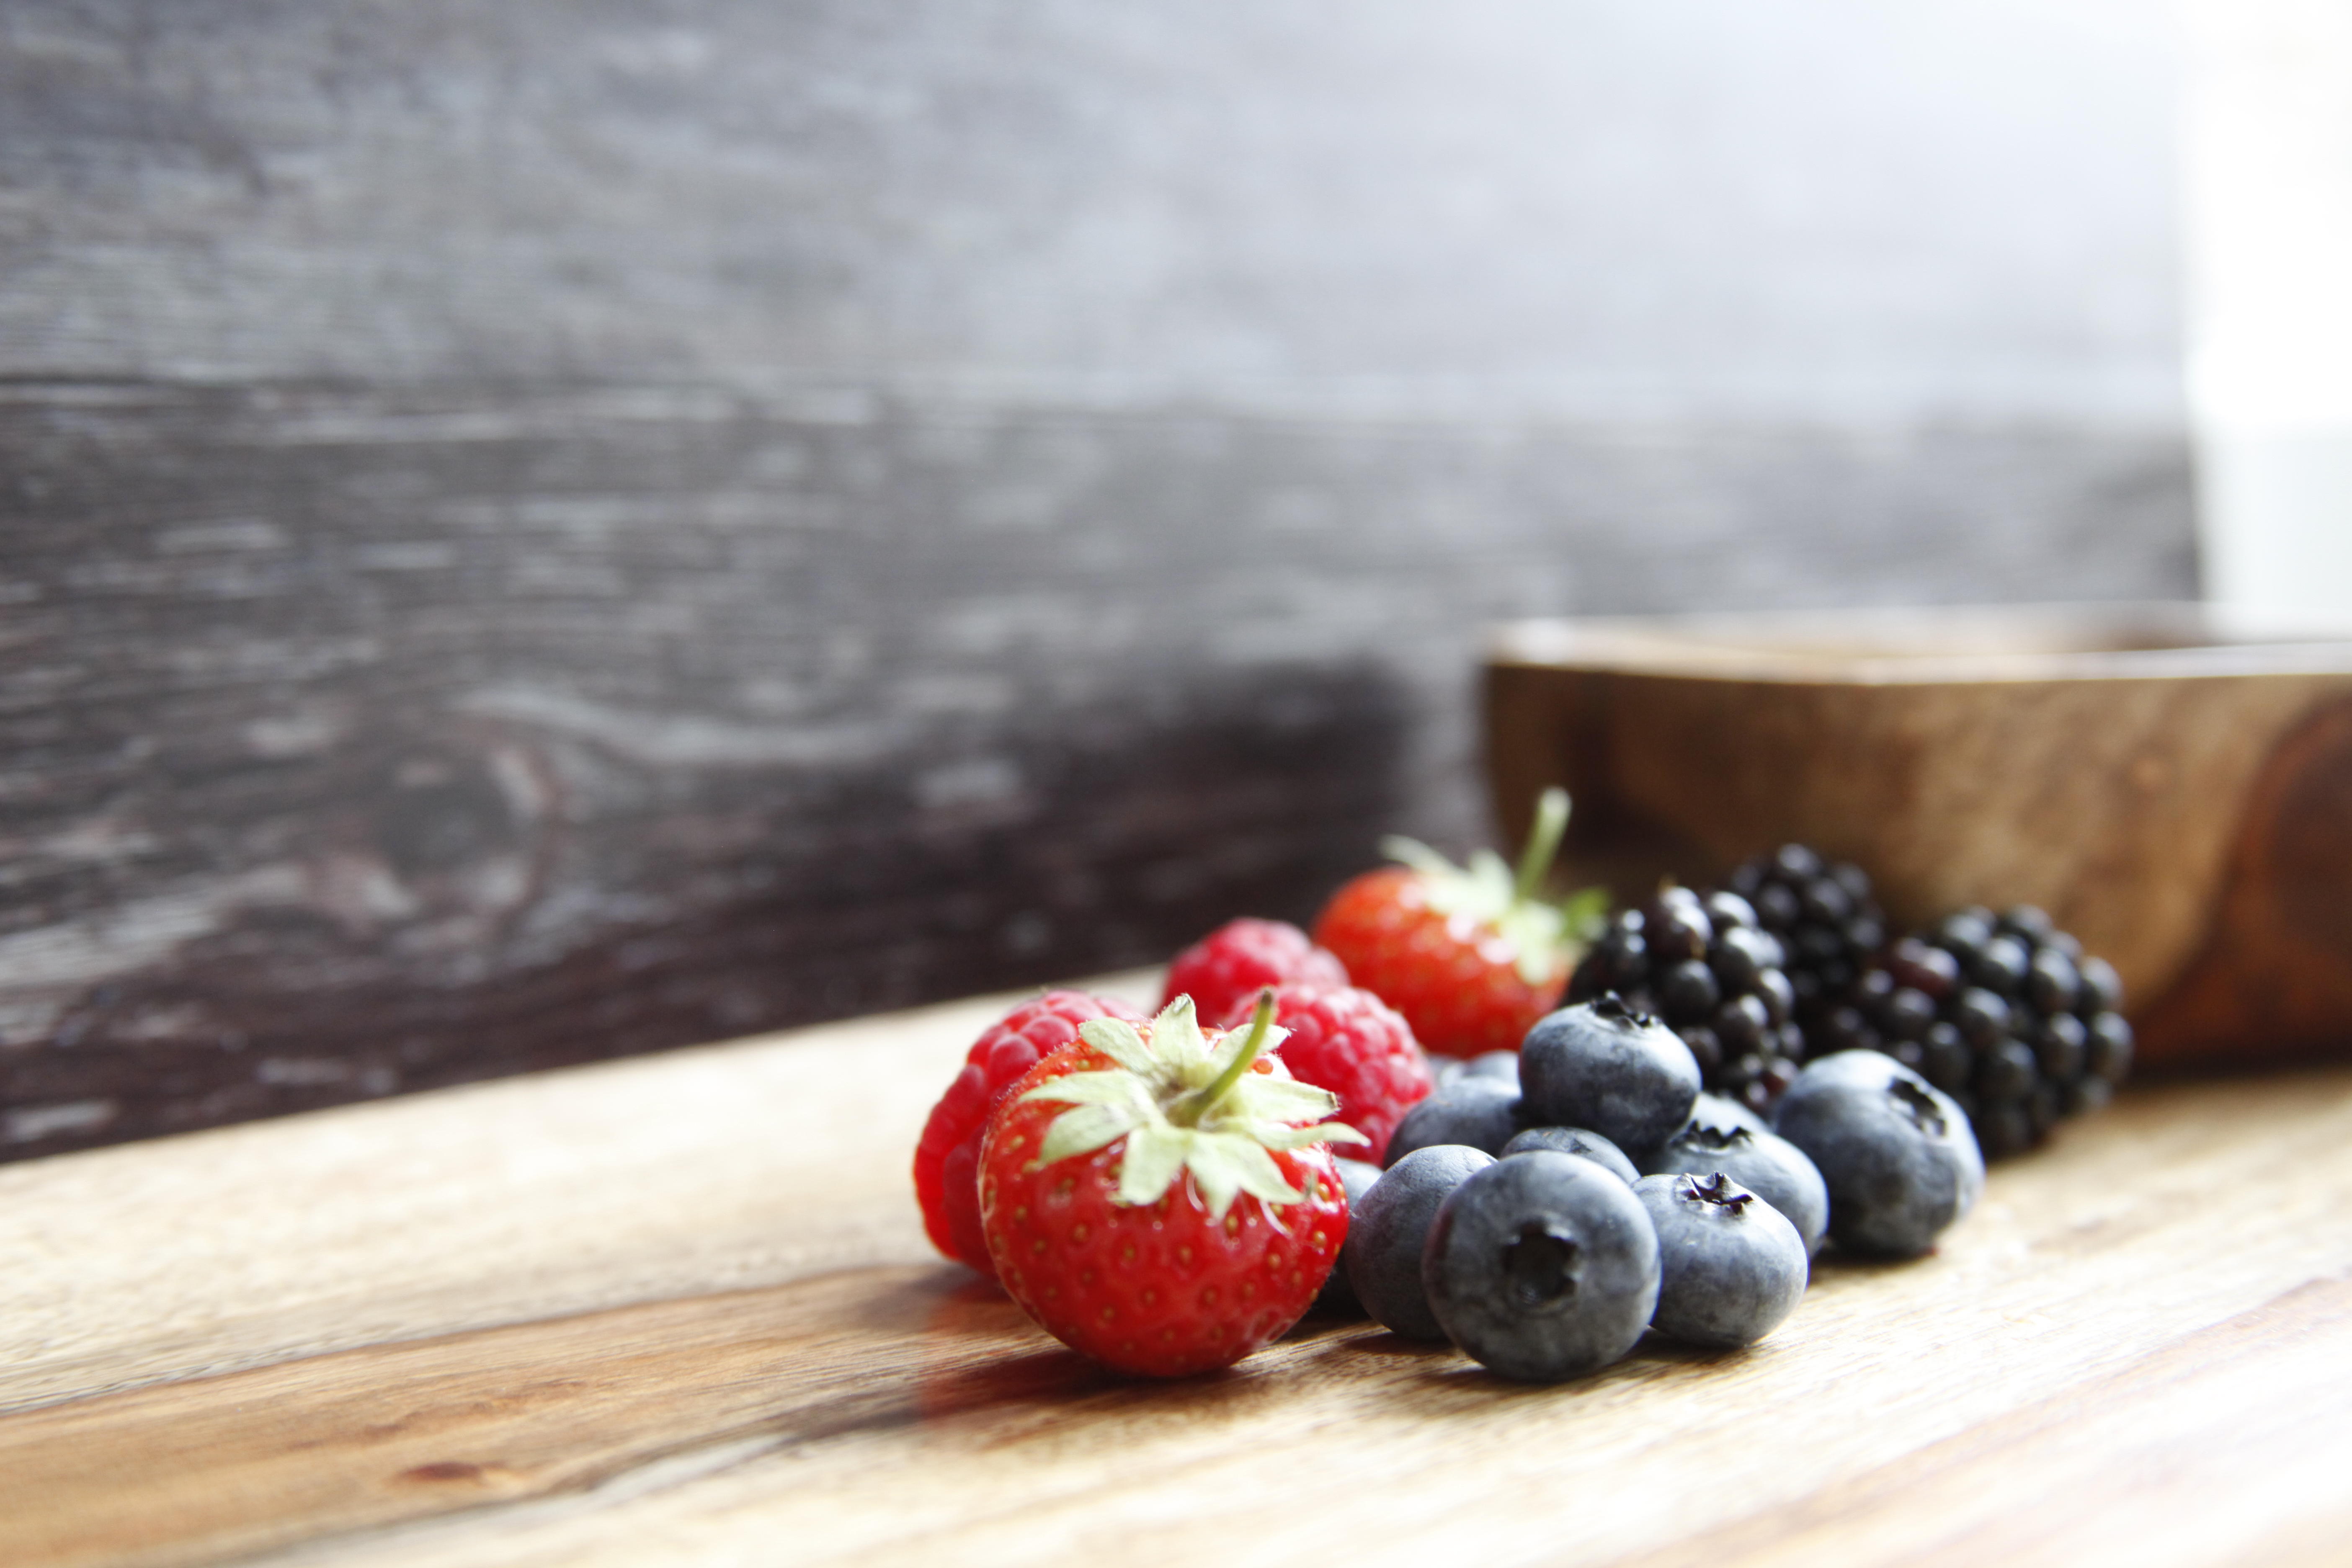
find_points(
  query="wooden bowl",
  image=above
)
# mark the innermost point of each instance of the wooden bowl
(2174, 789)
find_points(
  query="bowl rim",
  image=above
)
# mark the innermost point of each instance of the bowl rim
(1937, 643)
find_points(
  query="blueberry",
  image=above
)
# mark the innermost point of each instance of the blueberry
(1719, 1111)
(1576, 1140)
(1897, 1153)
(1764, 1163)
(1336, 1295)
(1542, 1267)
(1603, 1066)
(1732, 1266)
(1385, 1233)
(1501, 1065)
(1478, 1112)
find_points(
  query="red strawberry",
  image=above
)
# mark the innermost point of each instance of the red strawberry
(1223, 972)
(1470, 958)
(947, 1158)
(1358, 1046)
(1158, 1200)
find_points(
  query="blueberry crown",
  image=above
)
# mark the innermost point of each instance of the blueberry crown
(1714, 1140)
(1919, 1105)
(1617, 1010)
(1719, 1190)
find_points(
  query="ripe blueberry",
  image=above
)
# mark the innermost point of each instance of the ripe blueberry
(1764, 1163)
(1382, 1256)
(1542, 1266)
(1576, 1140)
(1479, 1112)
(1601, 1064)
(1897, 1153)
(1337, 1296)
(1732, 1265)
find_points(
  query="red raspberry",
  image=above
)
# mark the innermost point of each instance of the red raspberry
(1358, 1046)
(947, 1158)
(1226, 969)
(1157, 1199)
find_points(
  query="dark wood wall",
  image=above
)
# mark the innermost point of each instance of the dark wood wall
(530, 531)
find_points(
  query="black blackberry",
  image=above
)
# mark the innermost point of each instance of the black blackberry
(2004, 1014)
(1829, 923)
(1702, 963)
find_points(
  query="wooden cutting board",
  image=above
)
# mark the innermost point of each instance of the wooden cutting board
(679, 1309)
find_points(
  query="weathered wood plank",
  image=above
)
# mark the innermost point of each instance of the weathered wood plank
(362, 742)
(555, 1321)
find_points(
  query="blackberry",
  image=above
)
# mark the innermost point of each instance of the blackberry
(1704, 965)
(1827, 918)
(2003, 1013)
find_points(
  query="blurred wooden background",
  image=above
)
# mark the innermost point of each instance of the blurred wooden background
(531, 532)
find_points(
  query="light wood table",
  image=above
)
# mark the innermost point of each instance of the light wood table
(680, 1309)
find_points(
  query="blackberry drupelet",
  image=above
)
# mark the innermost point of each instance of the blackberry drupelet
(1704, 964)
(1828, 921)
(2003, 1013)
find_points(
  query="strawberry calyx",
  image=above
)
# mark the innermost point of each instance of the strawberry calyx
(1190, 1103)
(1545, 938)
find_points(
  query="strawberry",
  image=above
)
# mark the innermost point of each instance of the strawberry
(1157, 1199)
(1355, 1045)
(1223, 971)
(947, 1158)
(1470, 958)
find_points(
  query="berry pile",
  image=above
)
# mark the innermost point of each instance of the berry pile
(1741, 1077)
(1627, 1201)
(1706, 964)
(2004, 1014)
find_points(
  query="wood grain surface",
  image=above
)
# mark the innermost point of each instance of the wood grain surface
(679, 1309)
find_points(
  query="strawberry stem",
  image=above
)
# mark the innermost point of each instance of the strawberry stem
(1543, 844)
(1189, 1112)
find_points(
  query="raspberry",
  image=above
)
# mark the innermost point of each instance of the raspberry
(946, 1159)
(1226, 969)
(1358, 1046)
